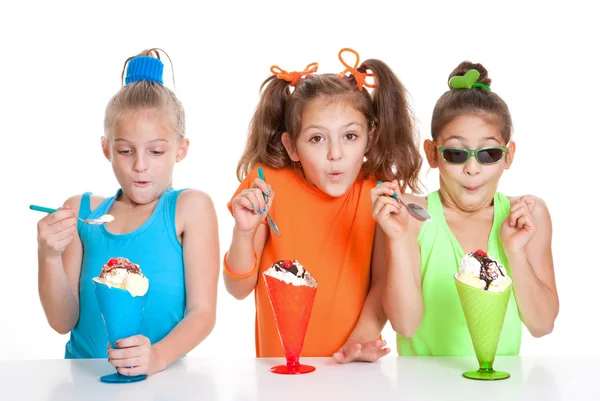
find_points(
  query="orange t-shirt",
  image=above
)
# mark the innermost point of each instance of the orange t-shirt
(332, 238)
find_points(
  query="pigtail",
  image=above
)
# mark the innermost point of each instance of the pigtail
(394, 153)
(266, 127)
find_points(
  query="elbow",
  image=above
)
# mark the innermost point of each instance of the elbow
(239, 295)
(63, 324)
(61, 330)
(404, 322)
(405, 329)
(210, 319)
(61, 327)
(406, 325)
(236, 290)
(541, 330)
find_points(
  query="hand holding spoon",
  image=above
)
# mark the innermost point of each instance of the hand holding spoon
(414, 210)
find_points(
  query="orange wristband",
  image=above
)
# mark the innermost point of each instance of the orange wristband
(240, 276)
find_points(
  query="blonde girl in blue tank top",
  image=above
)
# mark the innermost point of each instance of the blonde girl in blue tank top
(171, 234)
(471, 146)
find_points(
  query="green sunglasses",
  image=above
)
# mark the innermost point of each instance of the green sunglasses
(489, 155)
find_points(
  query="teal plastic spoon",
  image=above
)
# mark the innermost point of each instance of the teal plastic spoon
(107, 218)
(272, 224)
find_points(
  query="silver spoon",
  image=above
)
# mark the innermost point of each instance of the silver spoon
(107, 218)
(414, 210)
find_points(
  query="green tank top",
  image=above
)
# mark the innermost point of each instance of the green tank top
(443, 330)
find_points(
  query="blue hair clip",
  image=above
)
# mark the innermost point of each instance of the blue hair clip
(144, 68)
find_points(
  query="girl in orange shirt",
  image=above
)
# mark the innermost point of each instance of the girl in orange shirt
(322, 147)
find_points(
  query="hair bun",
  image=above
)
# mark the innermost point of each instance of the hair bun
(144, 68)
(465, 66)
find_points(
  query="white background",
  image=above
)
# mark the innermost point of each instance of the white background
(62, 61)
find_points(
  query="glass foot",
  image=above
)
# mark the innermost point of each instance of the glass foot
(486, 374)
(119, 378)
(292, 370)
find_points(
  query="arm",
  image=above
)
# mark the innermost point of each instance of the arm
(362, 344)
(201, 261)
(249, 238)
(240, 259)
(372, 316)
(402, 297)
(59, 266)
(527, 238)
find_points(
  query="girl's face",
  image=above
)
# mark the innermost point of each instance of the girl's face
(143, 152)
(331, 145)
(469, 186)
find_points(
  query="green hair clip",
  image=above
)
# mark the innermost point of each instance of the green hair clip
(467, 81)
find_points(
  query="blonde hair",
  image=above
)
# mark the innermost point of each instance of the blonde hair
(143, 95)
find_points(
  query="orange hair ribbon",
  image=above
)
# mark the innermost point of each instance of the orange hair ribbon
(293, 76)
(359, 76)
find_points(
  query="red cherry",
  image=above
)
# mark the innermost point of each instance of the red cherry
(287, 264)
(112, 261)
(480, 252)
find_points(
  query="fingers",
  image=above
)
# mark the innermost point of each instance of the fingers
(529, 201)
(132, 357)
(521, 217)
(251, 199)
(133, 341)
(57, 230)
(127, 362)
(367, 352)
(263, 186)
(138, 370)
(57, 221)
(516, 211)
(374, 350)
(130, 348)
(383, 189)
(266, 191)
(347, 353)
(384, 206)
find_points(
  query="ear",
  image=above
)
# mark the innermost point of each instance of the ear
(105, 143)
(510, 154)
(289, 147)
(182, 151)
(431, 153)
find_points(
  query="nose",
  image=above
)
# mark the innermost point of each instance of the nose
(334, 151)
(140, 164)
(472, 166)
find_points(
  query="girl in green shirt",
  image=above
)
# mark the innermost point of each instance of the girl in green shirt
(471, 146)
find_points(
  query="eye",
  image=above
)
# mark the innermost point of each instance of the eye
(350, 136)
(124, 152)
(316, 139)
(157, 152)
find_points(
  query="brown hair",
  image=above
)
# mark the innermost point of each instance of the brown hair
(476, 100)
(143, 95)
(393, 153)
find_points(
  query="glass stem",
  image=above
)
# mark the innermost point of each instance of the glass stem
(486, 367)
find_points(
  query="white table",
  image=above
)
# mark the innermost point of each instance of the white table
(392, 378)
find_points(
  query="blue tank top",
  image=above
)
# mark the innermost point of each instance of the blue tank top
(157, 250)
